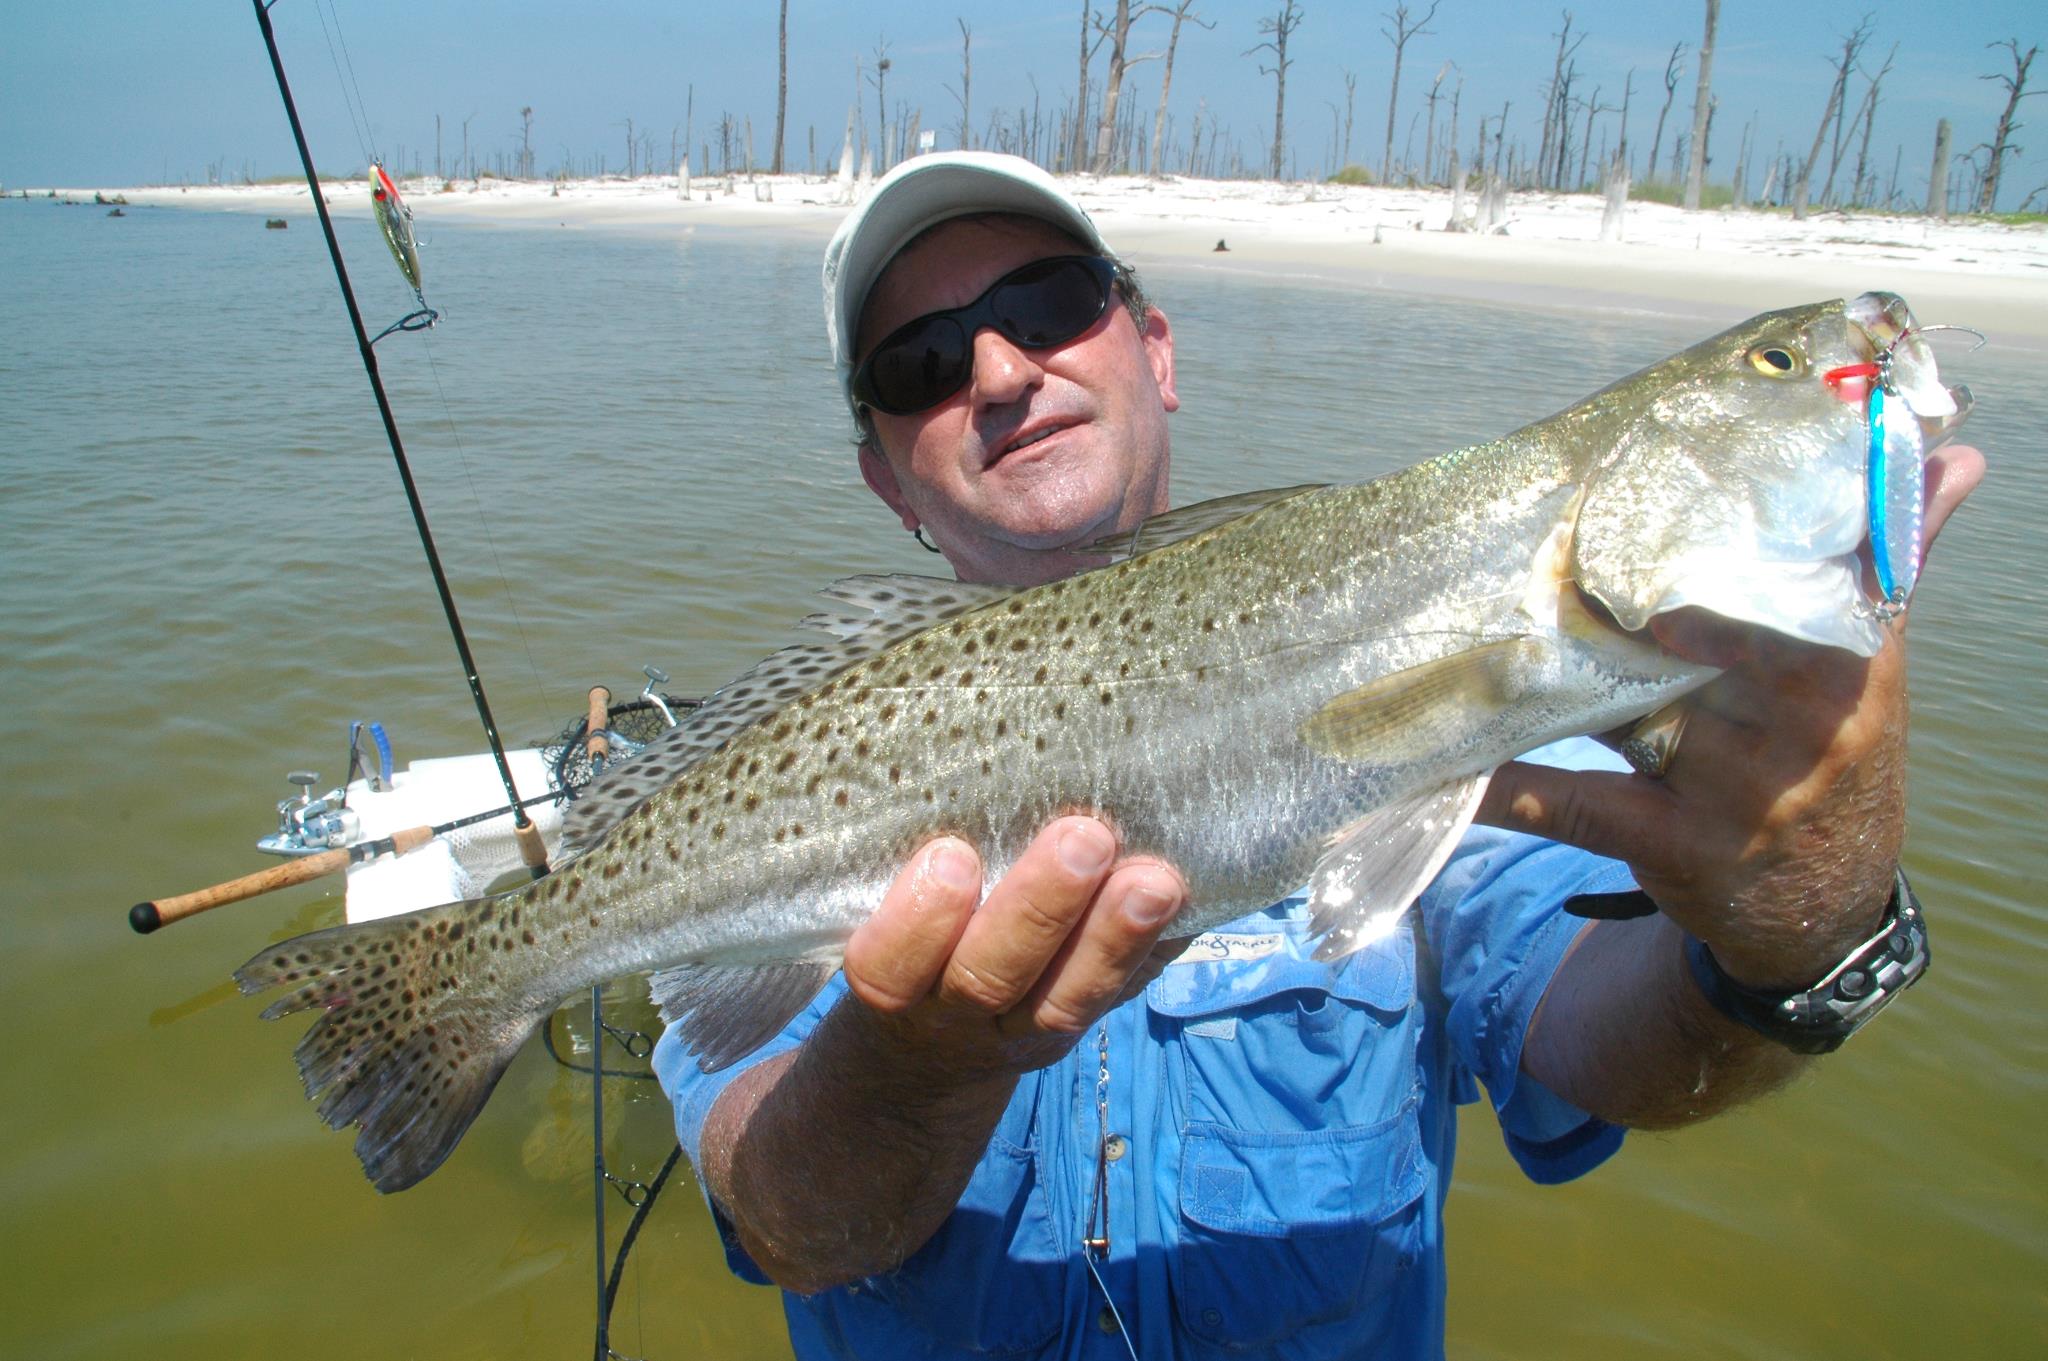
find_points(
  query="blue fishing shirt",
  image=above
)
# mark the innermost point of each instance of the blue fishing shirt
(1287, 1130)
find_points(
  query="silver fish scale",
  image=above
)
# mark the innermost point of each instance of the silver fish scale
(1167, 691)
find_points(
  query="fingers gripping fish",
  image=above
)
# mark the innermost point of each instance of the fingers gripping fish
(1303, 685)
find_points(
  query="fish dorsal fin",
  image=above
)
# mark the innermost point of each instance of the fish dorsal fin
(729, 1011)
(1379, 864)
(1426, 709)
(1188, 521)
(864, 615)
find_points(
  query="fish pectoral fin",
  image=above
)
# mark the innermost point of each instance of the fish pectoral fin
(730, 1010)
(1427, 709)
(1379, 864)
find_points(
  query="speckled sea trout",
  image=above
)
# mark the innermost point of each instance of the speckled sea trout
(1303, 685)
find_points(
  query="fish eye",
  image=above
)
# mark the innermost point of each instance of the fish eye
(1776, 361)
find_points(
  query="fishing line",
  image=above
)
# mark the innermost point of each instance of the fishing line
(365, 142)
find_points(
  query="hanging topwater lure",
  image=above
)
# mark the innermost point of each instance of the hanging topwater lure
(396, 219)
(1904, 392)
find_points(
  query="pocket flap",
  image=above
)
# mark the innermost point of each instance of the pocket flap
(1276, 1185)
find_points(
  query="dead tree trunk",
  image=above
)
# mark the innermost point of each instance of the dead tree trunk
(1117, 32)
(1702, 110)
(2016, 90)
(1182, 12)
(1937, 179)
(1867, 115)
(1551, 106)
(1277, 30)
(966, 92)
(1803, 184)
(1670, 89)
(781, 86)
(1398, 39)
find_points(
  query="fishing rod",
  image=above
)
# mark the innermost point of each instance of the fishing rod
(532, 850)
(161, 912)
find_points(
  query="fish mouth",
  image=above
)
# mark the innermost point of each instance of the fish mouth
(1898, 342)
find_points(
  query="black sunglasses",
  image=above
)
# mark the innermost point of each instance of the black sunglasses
(923, 362)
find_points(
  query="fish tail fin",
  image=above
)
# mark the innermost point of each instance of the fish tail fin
(406, 1044)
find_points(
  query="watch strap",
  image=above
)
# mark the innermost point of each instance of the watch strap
(1818, 1019)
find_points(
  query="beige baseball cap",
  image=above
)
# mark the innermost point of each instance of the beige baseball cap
(920, 193)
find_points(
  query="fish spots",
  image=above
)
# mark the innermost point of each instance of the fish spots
(839, 797)
(780, 834)
(1016, 607)
(895, 774)
(930, 796)
(1095, 619)
(718, 831)
(796, 829)
(987, 766)
(693, 815)
(1127, 616)
(1038, 676)
(956, 732)
(1020, 644)
(888, 714)
(753, 769)
(966, 678)
(1059, 710)
(822, 731)
(788, 760)
(937, 673)
(753, 802)
(673, 851)
(1144, 626)
(1209, 624)
(1002, 726)
(981, 696)
(1130, 724)
(811, 785)
(970, 647)
(1107, 694)
(1039, 742)
(862, 748)
(613, 869)
(931, 716)
(832, 757)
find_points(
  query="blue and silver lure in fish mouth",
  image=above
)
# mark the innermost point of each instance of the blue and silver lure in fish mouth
(1910, 411)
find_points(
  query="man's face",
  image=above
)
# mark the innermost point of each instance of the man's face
(1040, 449)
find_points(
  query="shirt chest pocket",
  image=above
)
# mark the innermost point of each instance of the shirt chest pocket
(1302, 1171)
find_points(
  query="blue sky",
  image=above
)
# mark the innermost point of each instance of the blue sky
(128, 91)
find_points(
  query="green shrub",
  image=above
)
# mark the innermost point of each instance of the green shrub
(1351, 174)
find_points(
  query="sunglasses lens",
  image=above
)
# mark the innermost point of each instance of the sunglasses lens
(1049, 302)
(919, 366)
(1042, 304)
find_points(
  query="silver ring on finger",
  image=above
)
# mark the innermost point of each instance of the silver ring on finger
(1653, 742)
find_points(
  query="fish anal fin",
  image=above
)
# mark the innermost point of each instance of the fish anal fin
(1422, 711)
(1379, 864)
(730, 1010)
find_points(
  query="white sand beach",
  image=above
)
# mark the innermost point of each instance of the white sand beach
(1715, 264)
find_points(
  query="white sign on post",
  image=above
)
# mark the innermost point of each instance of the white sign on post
(928, 140)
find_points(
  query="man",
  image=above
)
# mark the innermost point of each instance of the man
(1016, 1126)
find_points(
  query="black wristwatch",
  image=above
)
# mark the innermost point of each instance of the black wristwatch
(1818, 1019)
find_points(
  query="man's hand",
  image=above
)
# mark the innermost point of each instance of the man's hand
(1774, 833)
(953, 997)
(1064, 936)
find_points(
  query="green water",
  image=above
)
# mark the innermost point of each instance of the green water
(632, 453)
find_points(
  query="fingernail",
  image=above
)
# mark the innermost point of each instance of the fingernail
(1148, 907)
(1086, 848)
(952, 866)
